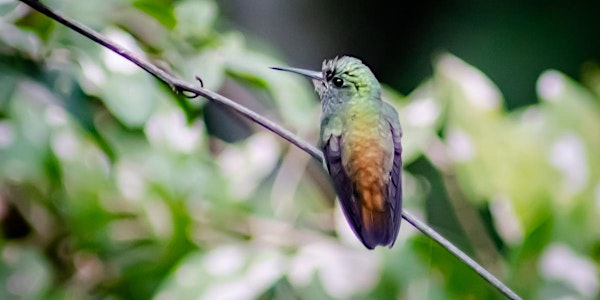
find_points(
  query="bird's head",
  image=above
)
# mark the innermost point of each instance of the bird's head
(342, 79)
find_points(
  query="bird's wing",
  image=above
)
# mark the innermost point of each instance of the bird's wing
(332, 150)
(395, 185)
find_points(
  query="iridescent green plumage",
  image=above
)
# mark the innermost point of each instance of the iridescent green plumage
(360, 138)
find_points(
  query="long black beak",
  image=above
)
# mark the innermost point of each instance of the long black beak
(317, 75)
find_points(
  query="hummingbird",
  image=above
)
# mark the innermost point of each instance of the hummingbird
(360, 139)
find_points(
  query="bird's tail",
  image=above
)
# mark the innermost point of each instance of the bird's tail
(377, 228)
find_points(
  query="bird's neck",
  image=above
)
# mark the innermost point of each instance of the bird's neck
(360, 102)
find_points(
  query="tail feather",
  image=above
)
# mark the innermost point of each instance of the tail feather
(377, 228)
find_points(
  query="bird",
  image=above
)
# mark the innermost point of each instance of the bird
(360, 136)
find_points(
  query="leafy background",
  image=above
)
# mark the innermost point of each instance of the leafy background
(111, 186)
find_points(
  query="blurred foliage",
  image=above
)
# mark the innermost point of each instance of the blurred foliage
(113, 187)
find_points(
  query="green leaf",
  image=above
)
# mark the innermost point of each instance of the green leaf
(495, 157)
(25, 273)
(131, 98)
(195, 19)
(162, 11)
(8, 84)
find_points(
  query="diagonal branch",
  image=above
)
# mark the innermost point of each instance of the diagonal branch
(181, 86)
(175, 83)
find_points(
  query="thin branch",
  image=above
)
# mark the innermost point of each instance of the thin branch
(181, 86)
(175, 83)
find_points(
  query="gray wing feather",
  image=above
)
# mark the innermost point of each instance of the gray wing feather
(395, 186)
(341, 182)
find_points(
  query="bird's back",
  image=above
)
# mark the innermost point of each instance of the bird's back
(367, 160)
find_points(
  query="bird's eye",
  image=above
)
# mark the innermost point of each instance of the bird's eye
(338, 82)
